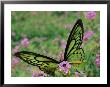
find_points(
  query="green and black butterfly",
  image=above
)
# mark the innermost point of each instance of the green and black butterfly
(74, 54)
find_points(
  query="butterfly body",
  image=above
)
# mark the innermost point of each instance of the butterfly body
(74, 54)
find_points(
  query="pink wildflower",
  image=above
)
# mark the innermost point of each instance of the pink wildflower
(64, 66)
(16, 49)
(25, 42)
(14, 62)
(61, 56)
(38, 74)
(90, 15)
(63, 44)
(97, 61)
(77, 74)
(87, 35)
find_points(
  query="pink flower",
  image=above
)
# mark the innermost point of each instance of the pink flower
(87, 35)
(64, 66)
(14, 62)
(61, 56)
(90, 15)
(97, 61)
(25, 42)
(38, 74)
(16, 49)
(63, 44)
(77, 74)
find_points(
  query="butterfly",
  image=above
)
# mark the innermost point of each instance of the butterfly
(74, 53)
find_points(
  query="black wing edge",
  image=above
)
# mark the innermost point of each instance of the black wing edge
(78, 23)
(37, 55)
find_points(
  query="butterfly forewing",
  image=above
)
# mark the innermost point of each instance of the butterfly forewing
(73, 52)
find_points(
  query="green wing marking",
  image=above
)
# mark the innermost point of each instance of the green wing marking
(77, 57)
(46, 64)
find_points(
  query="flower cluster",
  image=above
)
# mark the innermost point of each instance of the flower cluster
(87, 35)
(63, 44)
(77, 74)
(64, 66)
(38, 74)
(90, 15)
(25, 42)
(16, 49)
(14, 62)
(61, 56)
(97, 61)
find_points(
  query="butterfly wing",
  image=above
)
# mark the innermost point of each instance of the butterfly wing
(46, 64)
(73, 52)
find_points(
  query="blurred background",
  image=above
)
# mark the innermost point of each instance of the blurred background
(47, 32)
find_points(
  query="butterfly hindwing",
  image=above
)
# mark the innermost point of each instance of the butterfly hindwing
(73, 52)
(46, 64)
